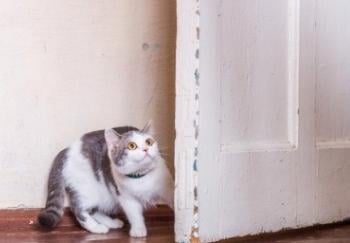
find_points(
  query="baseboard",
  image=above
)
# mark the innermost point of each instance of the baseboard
(287, 233)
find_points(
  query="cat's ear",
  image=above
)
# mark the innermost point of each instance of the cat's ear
(148, 128)
(112, 138)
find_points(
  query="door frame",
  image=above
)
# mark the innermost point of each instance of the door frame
(187, 121)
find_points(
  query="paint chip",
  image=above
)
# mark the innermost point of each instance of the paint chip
(195, 151)
(145, 46)
(196, 75)
(197, 33)
(197, 53)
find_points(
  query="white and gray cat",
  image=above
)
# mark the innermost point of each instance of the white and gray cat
(105, 171)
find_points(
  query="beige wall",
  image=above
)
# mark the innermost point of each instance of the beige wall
(67, 67)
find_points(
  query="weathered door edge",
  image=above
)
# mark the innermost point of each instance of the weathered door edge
(187, 121)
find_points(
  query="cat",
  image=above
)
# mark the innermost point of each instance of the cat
(107, 171)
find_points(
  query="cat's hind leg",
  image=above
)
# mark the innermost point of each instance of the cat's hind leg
(89, 223)
(108, 221)
(83, 214)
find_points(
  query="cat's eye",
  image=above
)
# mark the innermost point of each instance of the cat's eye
(149, 141)
(132, 146)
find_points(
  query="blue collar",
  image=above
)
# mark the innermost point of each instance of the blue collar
(135, 175)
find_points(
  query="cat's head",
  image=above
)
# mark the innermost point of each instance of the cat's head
(132, 152)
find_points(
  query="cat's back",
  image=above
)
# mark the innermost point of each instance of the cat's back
(91, 149)
(86, 169)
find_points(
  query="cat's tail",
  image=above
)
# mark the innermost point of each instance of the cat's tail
(53, 211)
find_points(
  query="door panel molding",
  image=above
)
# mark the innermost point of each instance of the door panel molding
(257, 147)
(290, 143)
(333, 144)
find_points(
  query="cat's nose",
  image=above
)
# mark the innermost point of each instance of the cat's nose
(145, 150)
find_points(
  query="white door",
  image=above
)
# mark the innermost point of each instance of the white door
(271, 99)
(332, 107)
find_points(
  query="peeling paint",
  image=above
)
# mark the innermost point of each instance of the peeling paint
(187, 227)
(145, 46)
(195, 226)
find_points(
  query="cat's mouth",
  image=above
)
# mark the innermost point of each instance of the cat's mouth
(147, 155)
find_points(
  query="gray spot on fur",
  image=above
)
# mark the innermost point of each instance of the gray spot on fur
(75, 204)
(94, 148)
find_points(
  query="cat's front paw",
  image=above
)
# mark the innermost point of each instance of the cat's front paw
(139, 231)
(99, 229)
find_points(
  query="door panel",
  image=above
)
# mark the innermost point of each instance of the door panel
(333, 74)
(254, 175)
(333, 109)
(258, 50)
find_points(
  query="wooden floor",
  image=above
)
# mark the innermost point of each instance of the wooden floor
(21, 227)
(339, 233)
